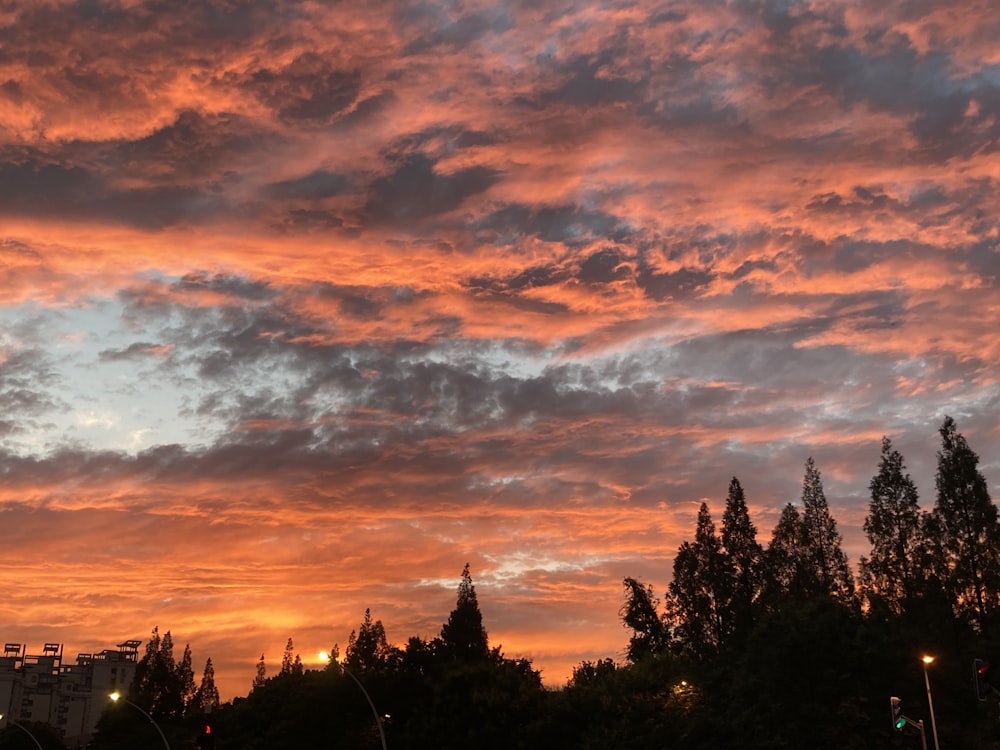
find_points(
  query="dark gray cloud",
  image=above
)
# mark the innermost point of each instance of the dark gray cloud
(313, 186)
(414, 190)
(31, 186)
(309, 89)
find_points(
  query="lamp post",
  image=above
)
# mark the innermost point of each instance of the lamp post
(116, 696)
(25, 730)
(378, 719)
(930, 701)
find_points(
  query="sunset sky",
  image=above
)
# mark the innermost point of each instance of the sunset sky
(304, 305)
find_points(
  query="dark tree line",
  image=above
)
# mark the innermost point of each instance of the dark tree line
(789, 650)
(754, 645)
(164, 688)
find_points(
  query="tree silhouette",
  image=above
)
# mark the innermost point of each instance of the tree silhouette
(463, 637)
(969, 546)
(650, 634)
(893, 572)
(827, 571)
(701, 591)
(746, 556)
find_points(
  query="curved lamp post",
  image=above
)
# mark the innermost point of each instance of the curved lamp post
(378, 719)
(930, 702)
(118, 697)
(25, 730)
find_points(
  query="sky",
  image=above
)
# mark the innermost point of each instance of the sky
(306, 305)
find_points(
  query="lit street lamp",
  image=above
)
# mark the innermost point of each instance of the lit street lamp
(117, 696)
(930, 701)
(25, 730)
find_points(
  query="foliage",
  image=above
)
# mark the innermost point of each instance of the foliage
(463, 637)
(20, 738)
(896, 569)
(162, 698)
(700, 598)
(968, 561)
(827, 571)
(650, 634)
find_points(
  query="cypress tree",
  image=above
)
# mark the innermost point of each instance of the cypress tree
(827, 571)
(463, 637)
(893, 526)
(700, 591)
(739, 541)
(967, 561)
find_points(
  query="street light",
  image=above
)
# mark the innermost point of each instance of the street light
(930, 701)
(116, 696)
(25, 730)
(378, 719)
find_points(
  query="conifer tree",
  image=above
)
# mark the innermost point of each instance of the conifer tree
(827, 571)
(261, 677)
(185, 677)
(463, 637)
(368, 649)
(968, 563)
(746, 556)
(287, 658)
(783, 563)
(207, 695)
(893, 526)
(700, 592)
(158, 684)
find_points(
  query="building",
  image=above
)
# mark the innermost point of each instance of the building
(69, 697)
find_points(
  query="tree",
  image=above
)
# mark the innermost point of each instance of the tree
(739, 541)
(894, 572)
(261, 677)
(287, 658)
(701, 590)
(368, 649)
(463, 637)
(185, 677)
(783, 562)
(827, 571)
(158, 685)
(207, 695)
(650, 634)
(968, 563)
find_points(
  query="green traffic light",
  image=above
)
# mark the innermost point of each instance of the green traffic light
(900, 722)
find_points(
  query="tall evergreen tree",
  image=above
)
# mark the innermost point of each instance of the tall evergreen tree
(700, 592)
(968, 565)
(185, 677)
(463, 637)
(739, 541)
(893, 526)
(157, 684)
(261, 677)
(287, 658)
(368, 649)
(827, 571)
(784, 562)
(206, 697)
(640, 613)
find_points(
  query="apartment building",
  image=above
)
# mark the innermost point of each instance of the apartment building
(68, 696)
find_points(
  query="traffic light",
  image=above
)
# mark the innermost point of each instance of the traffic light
(980, 673)
(898, 720)
(206, 741)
